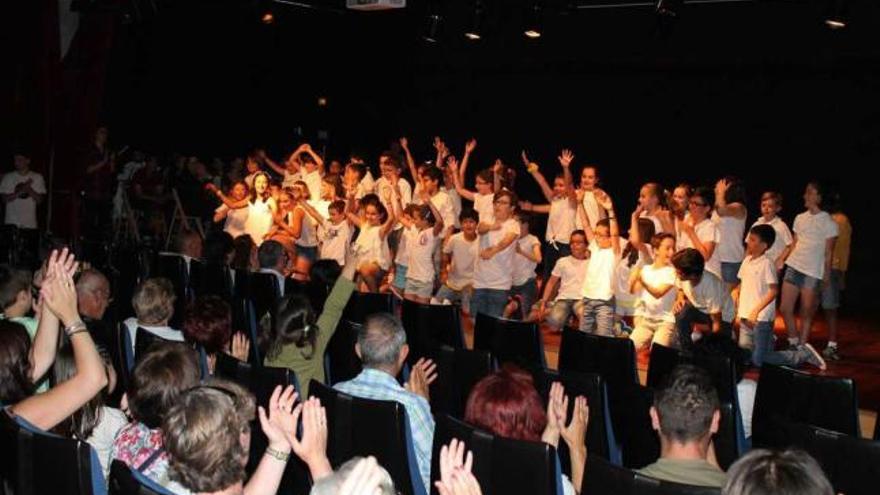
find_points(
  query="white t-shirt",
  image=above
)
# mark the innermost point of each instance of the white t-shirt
(599, 280)
(166, 332)
(524, 268)
(420, 245)
(625, 301)
(808, 255)
(485, 207)
(756, 275)
(383, 187)
(291, 178)
(496, 272)
(707, 231)
(709, 296)
(732, 229)
(406, 237)
(313, 182)
(783, 237)
(443, 203)
(591, 206)
(22, 212)
(371, 246)
(571, 272)
(236, 219)
(334, 239)
(658, 225)
(648, 305)
(308, 234)
(464, 255)
(259, 219)
(455, 198)
(560, 221)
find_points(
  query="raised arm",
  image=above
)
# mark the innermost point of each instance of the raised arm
(582, 214)
(604, 201)
(497, 170)
(307, 148)
(724, 209)
(410, 162)
(565, 159)
(261, 155)
(706, 248)
(458, 177)
(392, 215)
(533, 169)
(534, 255)
(469, 148)
(229, 202)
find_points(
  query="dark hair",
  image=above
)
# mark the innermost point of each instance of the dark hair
(468, 214)
(831, 201)
(295, 323)
(433, 174)
(689, 262)
(736, 191)
(487, 175)
(686, 403)
(656, 190)
(510, 195)
(424, 211)
(706, 194)
(383, 212)
(579, 232)
(765, 233)
(507, 404)
(391, 158)
(84, 420)
(12, 281)
(767, 472)
(338, 205)
(218, 245)
(658, 239)
(243, 245)
(270, 253)
(604, 222)
(158, 378)
(305, 158)
(359, 168)
(208, 323)
(646, 231)
(774, 196)
(335, 181)
(15, 365)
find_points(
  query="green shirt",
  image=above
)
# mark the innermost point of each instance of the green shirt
(294, 358)
(697, 472)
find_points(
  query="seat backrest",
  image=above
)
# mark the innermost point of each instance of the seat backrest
(341, 362)
(604, 478)
(264, 292)
(143, 340)
(501, 465)
(37, 462)
(663, 361)
(787, 395)
(124, 481)
(611, 357)
(361, 427)
(600, 438)
(725, 439)
(122, 358)
(429, 326)
(722, 371)
(363, 304)
(458, 370)
(211, 279)
(510, 341)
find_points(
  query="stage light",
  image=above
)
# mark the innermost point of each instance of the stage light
(267, 17)
(669, 8)
(476, 30)
(837, 15)
(533, 22)
(432, 30)
(322, 101)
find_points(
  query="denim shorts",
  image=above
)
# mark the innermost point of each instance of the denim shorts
(730, 272)
(800, 279)
(831, 294)
(399, 277)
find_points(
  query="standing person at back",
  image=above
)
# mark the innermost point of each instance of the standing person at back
(839, 265)
(730, 216)
(598, 289)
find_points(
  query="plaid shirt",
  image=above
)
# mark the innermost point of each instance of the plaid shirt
(379, 385)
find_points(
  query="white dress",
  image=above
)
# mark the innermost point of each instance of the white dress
(259, 219)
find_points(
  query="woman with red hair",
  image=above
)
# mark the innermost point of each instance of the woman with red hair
(209, 323)
(507, 404)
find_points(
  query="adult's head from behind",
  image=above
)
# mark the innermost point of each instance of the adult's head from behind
(332, 484)
(245, 252)
(153, 301)
(15, 366)
(189, 243)
(767, 472)
(209, 323)
(507, 404)
(686, 407)
(272, 255)
(207, 435)
(158, 379)
(93, 294)
(219, 248)
(381, 343)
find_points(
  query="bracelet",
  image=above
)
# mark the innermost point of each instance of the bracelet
(81, 330)
(75, 327)
(277, 454)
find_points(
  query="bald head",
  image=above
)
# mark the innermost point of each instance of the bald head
(93, 293)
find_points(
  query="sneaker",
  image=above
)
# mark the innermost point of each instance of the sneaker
(812, 356)
(831, 354)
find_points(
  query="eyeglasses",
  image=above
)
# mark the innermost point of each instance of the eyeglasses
(501, 202)
(694, 203)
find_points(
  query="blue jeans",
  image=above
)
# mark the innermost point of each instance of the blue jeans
(598, 317)
(561, 311)
(762, 337)
(463, 296)
(684, 325)
(526, 293)
(489, 302)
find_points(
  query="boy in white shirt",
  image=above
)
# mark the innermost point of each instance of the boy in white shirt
(702, 298)
(598, 288)
(426, 227)
(526, 259)
(459, 254)
(334, 233)
(568, 274)
(655, 286)
(771, 204)
(757, 308)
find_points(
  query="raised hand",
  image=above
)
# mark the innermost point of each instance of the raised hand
(603, 199)
(312, 447)
(423, 374)
(455, 471)
(566, 157)
(525, 158)
(576, 431)
(404, 143)
(470, 146)
(240, 347)
(452, 162)
(279, 424)
(580, 194)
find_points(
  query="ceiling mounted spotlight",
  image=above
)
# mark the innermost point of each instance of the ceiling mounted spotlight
(432, 28)
(669, 8)
(533, 25)
(476, 30)
(837, 14)
(267, 17)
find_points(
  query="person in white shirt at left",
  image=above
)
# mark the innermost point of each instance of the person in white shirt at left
(22, 190)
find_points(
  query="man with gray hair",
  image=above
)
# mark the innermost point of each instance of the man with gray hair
(381, 345)
(93, 297)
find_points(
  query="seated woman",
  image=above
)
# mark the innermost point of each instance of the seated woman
(158, 379)
(507, 404)
(23, 364)
(297, 341)
(208, 323)
(153, 303)
(208, 437)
